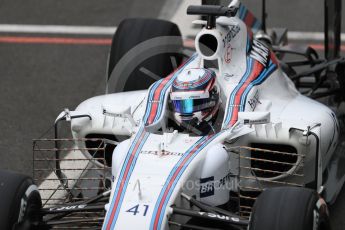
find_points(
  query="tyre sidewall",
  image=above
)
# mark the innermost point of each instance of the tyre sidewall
(22, 201)
(289, 208)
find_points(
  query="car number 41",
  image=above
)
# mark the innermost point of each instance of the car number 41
(139, 209)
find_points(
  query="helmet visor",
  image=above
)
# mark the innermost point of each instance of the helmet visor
(189, 106)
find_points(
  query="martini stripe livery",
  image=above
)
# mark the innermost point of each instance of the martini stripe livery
(157, 94)
(123, 179)
(174, 177)
(255, 74)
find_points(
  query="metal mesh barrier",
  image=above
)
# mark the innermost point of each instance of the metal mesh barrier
(64, 175)
(258, 173)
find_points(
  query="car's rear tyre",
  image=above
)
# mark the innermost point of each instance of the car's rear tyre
(289, 208)
(20, 202)
(130, 34)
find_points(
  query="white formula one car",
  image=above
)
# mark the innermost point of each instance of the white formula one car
(233, 138)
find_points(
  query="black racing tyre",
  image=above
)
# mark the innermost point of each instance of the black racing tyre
(20, 202)
(132, 32)
(287, 208)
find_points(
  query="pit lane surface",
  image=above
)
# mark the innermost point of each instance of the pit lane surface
(39, 80)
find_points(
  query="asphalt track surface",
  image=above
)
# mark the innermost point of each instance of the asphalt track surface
(37, 81)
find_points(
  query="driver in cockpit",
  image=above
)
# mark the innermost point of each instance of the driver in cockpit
(195, 100)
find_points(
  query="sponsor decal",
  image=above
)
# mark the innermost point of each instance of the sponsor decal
(206, 187)
(209, 185)
(187, 141)
(190, 97)
(234, 30)
(24, 203)
(225, 179)
(228, 54)
(70, 207)
(162, 153)
(260, 52)
(253, 102)
(106, 113)
(22, 210)
(228, 76)
(255, 122)
(218, 216)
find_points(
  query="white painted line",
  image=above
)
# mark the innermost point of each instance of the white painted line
(312, 36)
(180, 18)
(57, 29)
(184, 22)
(298, 35)
(189, 32)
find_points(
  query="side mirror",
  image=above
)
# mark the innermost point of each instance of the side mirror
(119, 111)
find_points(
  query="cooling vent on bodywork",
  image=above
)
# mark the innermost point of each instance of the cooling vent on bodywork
(269, 164)
(263, 166)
